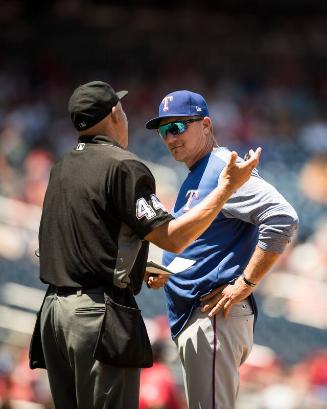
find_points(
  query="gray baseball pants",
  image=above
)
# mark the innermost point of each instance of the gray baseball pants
(69, 328)
(211, 351)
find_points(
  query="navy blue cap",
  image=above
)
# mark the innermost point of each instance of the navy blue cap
(180, 103)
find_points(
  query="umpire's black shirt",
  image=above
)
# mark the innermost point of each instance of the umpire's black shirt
(99, 205)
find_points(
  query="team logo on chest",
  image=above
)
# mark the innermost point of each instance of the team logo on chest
(190, 196)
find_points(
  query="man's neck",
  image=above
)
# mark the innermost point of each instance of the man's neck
(209, 147)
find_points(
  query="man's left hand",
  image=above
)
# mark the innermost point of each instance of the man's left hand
(223, 300)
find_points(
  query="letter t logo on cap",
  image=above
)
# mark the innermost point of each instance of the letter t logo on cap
(166, 101)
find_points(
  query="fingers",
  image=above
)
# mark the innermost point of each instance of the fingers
(227, 308)
(146, 276)
(256, 155)
(212, 294)
(156, 281)
(213, 304)
(253, 157)
(251, 161)
(233, 158)
(224, 304)
(249, 154)
(248, 165)
(223, 298)
(215, 310)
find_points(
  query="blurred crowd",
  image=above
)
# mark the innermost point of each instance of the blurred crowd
(265, 81)
(290, 127)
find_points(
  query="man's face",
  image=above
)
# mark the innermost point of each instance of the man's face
(187, 146)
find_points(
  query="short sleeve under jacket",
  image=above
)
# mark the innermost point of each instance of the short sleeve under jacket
(99, 205)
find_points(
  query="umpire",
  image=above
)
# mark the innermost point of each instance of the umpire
(99, 214)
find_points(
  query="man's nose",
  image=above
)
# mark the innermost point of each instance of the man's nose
(170, 137)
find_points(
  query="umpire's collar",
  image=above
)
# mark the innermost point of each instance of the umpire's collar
(98, 139)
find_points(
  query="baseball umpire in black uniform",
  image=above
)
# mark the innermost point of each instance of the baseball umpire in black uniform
(99, 214)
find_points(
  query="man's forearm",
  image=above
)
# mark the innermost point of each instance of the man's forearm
(259, 264)
(177, 234)
(192, 224)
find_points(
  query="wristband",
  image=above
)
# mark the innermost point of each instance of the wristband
(248, 282)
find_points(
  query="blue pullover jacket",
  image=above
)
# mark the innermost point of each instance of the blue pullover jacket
(257, 214)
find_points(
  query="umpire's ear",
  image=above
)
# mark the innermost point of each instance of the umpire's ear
(114, 115)
(117, 113)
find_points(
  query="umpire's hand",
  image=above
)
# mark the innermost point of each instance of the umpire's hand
(235, 173)
(155, 281)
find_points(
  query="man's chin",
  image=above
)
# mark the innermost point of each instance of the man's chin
(177, 156)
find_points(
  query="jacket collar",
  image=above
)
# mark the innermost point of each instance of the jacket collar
(98, 139)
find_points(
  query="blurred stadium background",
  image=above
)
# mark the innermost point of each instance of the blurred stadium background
(262, 66)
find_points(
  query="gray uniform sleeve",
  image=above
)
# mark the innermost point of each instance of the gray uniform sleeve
(259, 203)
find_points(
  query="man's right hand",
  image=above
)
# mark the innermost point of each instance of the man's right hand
(235, 174)
(155, 281)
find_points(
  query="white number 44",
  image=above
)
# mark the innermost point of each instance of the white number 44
(143, 209)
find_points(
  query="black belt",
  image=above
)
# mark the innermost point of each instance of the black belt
(63, 291)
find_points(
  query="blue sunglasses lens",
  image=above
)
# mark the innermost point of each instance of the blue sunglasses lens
(175, 128)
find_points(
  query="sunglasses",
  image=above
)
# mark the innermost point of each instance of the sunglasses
(175, 128)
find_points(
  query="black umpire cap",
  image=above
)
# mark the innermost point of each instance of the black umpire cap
(91, 102)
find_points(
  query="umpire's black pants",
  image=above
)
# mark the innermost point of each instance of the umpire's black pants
(70, 323)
